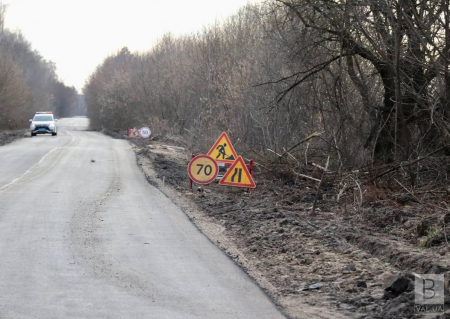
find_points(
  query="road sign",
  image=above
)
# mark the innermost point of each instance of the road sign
(145, 132)
(223, 151)
(133, 133)
(203, 169)
(238, 175)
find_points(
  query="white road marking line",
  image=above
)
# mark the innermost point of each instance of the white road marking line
(29, 170)
(21, 176)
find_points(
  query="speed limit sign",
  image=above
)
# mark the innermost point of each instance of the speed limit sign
(145, 132)
(203, 169)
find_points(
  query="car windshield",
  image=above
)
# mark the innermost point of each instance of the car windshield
(43, 118)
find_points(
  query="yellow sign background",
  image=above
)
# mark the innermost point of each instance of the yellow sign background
(223, 151)
(203, 169)
(238, 175)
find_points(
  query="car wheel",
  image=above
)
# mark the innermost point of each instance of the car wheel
(54, 134)
(33, 134)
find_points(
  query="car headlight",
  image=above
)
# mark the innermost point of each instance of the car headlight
(51, 126)
(33, 126)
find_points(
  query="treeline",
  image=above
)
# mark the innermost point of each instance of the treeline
(370, 78)
(28, 82)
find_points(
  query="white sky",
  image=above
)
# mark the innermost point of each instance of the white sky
(78, 34)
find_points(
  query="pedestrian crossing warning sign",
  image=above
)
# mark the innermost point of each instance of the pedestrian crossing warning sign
(238, 175)
(223, 151)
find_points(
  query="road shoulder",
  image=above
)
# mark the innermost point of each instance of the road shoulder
(9, 136)
(293, 305)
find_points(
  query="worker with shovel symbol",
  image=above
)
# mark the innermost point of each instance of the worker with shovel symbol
(221, 149)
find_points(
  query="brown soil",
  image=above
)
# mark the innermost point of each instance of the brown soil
(9, 136)
(272, 234)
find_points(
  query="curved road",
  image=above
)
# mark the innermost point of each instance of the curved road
(84, 239)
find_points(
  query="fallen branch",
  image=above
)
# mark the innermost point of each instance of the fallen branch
(275, 153)
(258, 154)
(308, 177)
(296, 145)
(410, 193)
(318, 166)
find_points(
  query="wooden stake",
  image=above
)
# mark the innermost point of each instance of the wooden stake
(320, 185)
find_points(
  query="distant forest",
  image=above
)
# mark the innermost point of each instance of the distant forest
(370, 78)
(28, 82)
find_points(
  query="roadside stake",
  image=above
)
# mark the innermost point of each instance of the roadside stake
(190, 179)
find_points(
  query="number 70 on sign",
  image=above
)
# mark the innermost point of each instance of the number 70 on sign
(203, 169)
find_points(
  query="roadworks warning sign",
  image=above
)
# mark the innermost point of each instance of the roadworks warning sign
(238, 175)
(133, 133)
(223, 151)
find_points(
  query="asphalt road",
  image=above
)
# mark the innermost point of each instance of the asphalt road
(84, 239)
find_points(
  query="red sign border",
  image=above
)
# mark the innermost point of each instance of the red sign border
(224, 134)
(204, 182)
(139, 131)
(241, 160)
(129, 130)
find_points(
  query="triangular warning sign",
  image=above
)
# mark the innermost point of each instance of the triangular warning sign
(133, 133)
(223, 151)
(238, 175)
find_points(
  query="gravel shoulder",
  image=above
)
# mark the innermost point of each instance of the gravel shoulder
(348, 254)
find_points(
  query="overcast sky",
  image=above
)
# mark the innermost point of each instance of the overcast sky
(78, 34)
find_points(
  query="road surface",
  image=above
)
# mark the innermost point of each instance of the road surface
(83, 235)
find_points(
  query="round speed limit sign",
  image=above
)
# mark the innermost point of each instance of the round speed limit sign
(145, 132)
(203, 169)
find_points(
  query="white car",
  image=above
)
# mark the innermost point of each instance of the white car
(43, 122)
